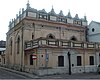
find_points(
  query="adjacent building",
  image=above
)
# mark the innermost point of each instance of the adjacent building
(2, 52)
(94, 31)
(43, 42)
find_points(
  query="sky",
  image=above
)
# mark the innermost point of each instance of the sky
(9, 9)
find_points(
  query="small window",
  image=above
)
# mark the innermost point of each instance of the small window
(91, 60)
(40, 16)
(31, 60)
(11, 47)
(60, 61)
(93, 29)
(60, 19)
(79, 22)
(41, 55)
(57, 27)
(75, 22)
(79, 61)
(32, 35)
(44, 17)
(73, 38)
(18, 45)
(66, 21)
(50, 36)
(42, 25)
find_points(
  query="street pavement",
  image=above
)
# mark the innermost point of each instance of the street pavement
(74, 76)
(6, 73)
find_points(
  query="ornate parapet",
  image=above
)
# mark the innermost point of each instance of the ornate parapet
(60, 43)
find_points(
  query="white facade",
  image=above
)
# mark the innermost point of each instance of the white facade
(94, 32)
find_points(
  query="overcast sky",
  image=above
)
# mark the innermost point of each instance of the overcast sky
(9, 9)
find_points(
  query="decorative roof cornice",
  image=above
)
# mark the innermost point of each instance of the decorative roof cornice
(61, 13)
(52, 12)
(43, 11)
(28, 5)
(69, 15)
(76, 16)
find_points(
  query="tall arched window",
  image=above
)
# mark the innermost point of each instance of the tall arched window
(18, 45)
(11, 46)
(50, 36)
(34, 31)
(32, 35)
(73, 38)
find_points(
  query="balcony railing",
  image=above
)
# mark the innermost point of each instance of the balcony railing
(44, 42)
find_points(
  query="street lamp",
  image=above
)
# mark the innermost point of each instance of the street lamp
(69, 62)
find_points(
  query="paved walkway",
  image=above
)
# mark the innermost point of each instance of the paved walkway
(74, 76)
(61, 76)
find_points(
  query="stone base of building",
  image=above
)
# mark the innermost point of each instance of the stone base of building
(53, 71)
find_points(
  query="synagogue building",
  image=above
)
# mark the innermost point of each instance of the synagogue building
(43, 42)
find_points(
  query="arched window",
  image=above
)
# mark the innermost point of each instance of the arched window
(73, 38)
(18, 44)
(11, 46)
(32, 35)
(33, 25)
(50, 36)
(34, 31)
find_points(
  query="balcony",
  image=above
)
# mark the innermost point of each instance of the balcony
(60, 43)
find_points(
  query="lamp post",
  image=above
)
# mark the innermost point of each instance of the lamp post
(69, 62)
